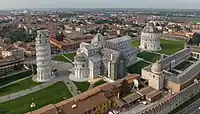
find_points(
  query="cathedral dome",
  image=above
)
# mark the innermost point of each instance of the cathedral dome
(150, 28)
(156, 68)
(98, 38)
(80, 57)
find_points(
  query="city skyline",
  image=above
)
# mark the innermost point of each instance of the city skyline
(163, 4)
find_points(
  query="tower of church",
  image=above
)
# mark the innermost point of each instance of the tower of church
(43, 57)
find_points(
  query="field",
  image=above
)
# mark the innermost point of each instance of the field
(63, 59)
(21, 85)
(99, 83)
(82, 86)
(15, 77)
(52, 94)
(171, 47)
(70, 56)
(136, 68)
(168, 47)
(195, 20)
(152, 57)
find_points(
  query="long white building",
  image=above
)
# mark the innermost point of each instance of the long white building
(43, 57)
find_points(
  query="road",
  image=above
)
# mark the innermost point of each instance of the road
(194, 109)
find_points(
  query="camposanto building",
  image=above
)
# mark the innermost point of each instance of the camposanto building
(102, 57)
(150, 40)
(43, 57)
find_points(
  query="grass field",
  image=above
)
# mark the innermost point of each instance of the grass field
(136, 68)
(168, 47)
(52, 94)
(70, 56)
(60, 58)
(171, 47)
(136, 43)
(195, 20)
(152, 57)
(21, 85)
(14, 77)
(82, 86)
(99, 83)
(63, 59)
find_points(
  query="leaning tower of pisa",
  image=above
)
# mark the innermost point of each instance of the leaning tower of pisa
(43, 57)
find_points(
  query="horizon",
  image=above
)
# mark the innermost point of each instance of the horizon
(149, 4)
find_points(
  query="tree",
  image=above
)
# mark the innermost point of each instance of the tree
(125, 90)
(196, 39)
(18, 34)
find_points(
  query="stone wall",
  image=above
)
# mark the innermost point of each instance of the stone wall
(174, 101)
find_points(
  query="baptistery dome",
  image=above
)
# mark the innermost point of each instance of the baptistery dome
(149, 38)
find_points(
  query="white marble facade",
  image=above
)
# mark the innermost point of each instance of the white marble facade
(103, 57)
(150, 40)
(43, 57)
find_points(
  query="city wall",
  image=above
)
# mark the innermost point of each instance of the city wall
(169, 104)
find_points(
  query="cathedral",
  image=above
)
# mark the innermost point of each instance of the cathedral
(150, 40)
(107, 58)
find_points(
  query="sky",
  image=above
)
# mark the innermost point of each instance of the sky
(175, 4)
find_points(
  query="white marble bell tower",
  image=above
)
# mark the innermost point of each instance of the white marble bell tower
(43, 57)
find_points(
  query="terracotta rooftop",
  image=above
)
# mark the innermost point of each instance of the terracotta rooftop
(83, 105)
(49, 109)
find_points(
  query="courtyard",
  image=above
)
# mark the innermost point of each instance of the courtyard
(50, 95)
(136, 68)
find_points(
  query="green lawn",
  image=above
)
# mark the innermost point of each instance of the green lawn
(70, 56)
(22, 85)
(185, 104)
(170, 47)
(60, 58)
(99, 83)
(82, 86)
(52, 94)
(152, 57)
(136, 68)
(195, 20)
(14, 77)
(63, 59)
(136, 43)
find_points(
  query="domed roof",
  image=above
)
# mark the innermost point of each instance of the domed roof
(80, 57)
(98, 37)
(150, 28)
(156, 68)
